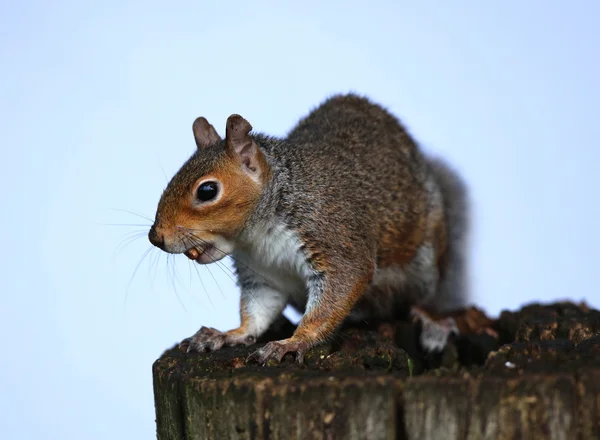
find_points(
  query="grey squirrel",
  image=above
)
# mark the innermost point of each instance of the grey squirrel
(344, 218)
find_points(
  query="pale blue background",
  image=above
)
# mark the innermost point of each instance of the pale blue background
(98, 98)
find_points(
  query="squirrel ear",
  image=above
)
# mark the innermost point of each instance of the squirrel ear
(204, 133)
(237, 133)
(241, 143)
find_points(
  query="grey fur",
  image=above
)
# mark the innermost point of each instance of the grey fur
(453, 291)
(355, 189)
(351, 190)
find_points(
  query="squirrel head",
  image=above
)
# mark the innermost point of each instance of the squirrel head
(206, 204)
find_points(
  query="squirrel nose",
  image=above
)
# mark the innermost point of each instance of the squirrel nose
(156, 239)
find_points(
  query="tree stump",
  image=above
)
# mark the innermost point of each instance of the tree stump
(533, 374)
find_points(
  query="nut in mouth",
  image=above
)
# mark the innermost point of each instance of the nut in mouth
(197, 253)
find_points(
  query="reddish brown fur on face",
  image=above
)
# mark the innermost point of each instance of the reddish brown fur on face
(226, 216)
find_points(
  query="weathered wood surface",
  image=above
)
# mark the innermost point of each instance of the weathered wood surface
(540, 379)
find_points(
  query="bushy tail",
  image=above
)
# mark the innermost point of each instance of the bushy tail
(453, 288)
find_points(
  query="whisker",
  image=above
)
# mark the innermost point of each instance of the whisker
(197, 240)
(152, 269)
(199, 276)
(203, 286)
(176, 273)
(134, 272)
(172, 276)
(211, 274)
(133, 233)
(190, 275)
(168, 269)
(225, 270)
(163, 171)
(208, 268)
(125, 224)
(202, 241)
(127, 240)
(216, 282)
(132, 213)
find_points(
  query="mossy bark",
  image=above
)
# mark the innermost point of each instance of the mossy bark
(538, 377)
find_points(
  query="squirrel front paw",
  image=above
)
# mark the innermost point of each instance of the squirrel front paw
(211, 339)
(278, 349)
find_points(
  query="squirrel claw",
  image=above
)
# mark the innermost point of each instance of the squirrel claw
(211, 339)
(277, 350)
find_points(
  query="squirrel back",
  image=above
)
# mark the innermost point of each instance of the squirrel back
(350, 164)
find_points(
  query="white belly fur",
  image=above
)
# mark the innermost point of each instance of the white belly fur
(274, 253)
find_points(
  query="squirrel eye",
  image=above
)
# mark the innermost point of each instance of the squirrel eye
(207, 191)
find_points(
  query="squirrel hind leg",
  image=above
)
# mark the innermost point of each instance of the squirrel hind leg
(395, 288)
(434, 332)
